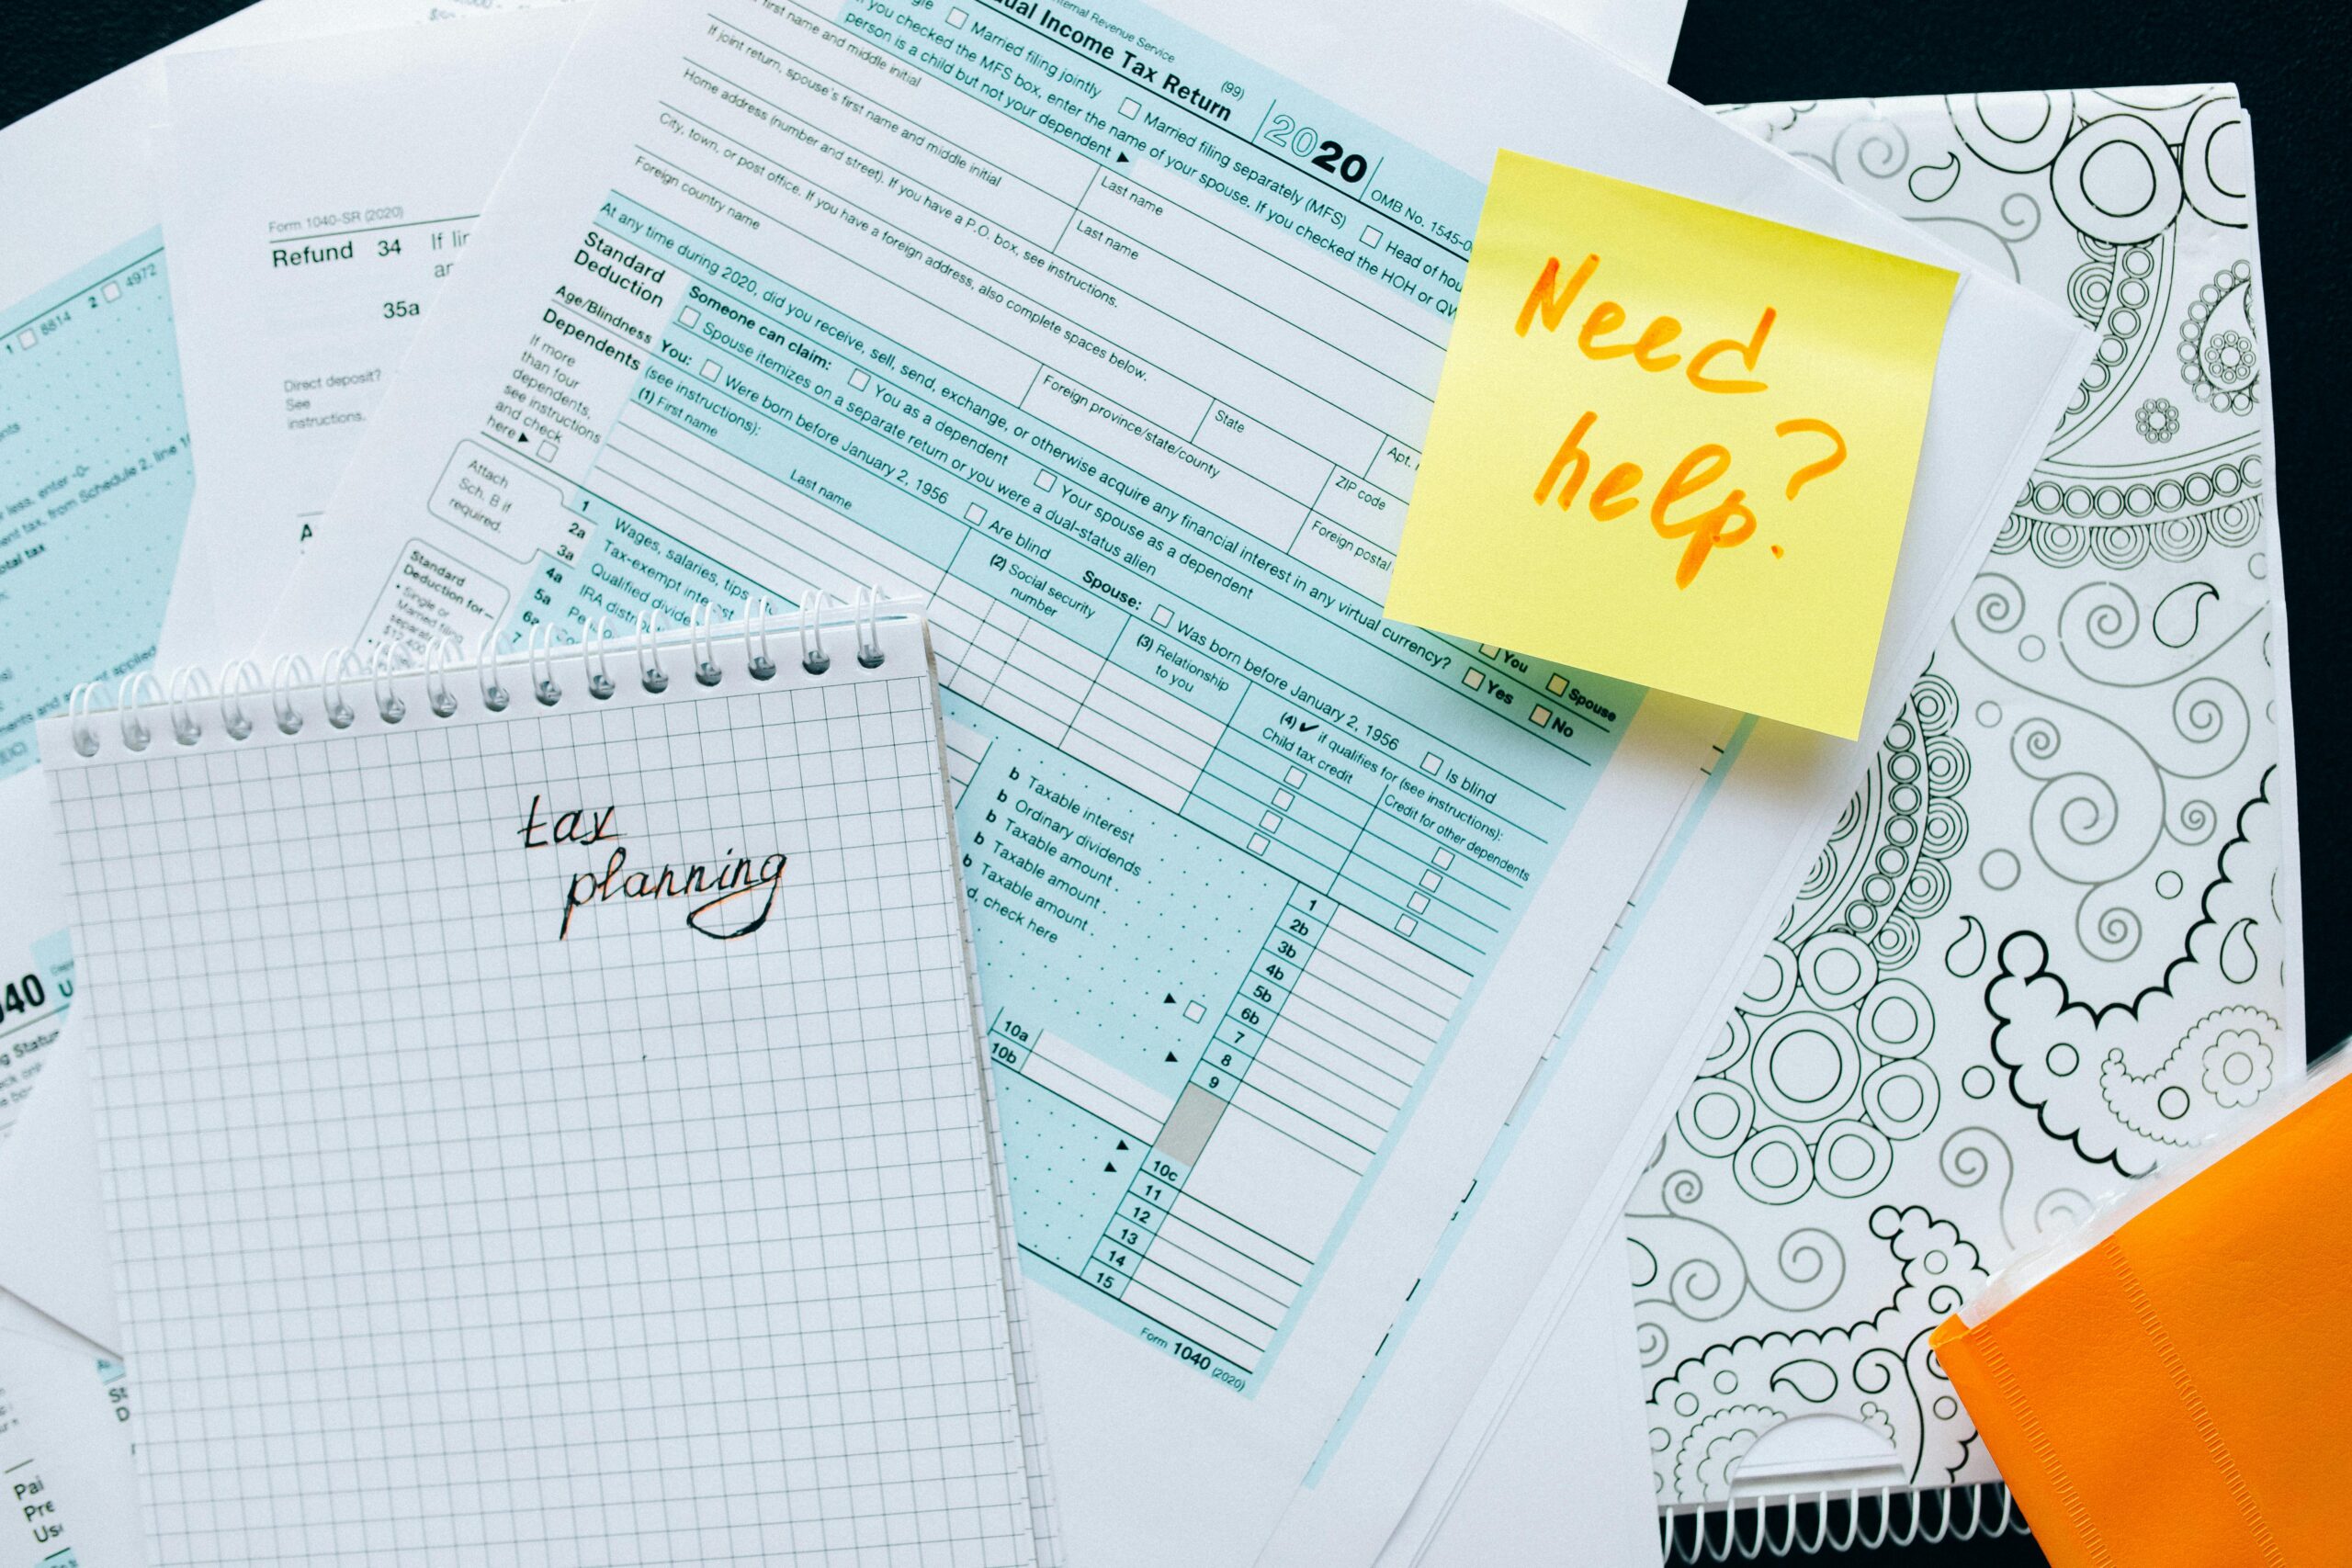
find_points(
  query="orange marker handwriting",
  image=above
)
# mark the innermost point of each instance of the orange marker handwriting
(1552, 300)
(1812, 471)
(1726, 521)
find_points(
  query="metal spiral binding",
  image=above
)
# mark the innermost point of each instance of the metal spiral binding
(243, 694)
(1750, 1542)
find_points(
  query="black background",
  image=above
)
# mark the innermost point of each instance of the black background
(2289, 62)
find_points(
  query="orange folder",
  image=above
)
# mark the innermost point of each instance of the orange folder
(2174, 1390)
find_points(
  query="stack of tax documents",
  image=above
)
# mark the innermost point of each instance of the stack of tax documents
(1109, 332)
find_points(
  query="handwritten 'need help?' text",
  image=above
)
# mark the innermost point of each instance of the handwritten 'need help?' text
(1729, 521)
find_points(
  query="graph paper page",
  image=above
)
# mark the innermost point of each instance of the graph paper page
(472, 1195)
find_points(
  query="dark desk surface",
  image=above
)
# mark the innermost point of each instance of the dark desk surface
(2288, 56)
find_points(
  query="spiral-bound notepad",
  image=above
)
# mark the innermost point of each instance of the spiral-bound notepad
(541, 1109)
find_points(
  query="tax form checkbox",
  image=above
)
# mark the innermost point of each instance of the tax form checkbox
(1044, 479)
(1433, 763)
(1404, 924)
(1540, 715)
(1443, 858)
(1371, 235)
(955, 16)
(1128, 107)
(1283, 800)
(1194, 1011)
(689, 316)
(1431, 879)
(1162, 615)
(1417, 902)
(1295, 777)
(1556, 684)
(113, 291)
(1257, 843)
(1474, 679)
(711, 369)
(974, 512)
(859, 380)
(28, 338)
(1269, 821)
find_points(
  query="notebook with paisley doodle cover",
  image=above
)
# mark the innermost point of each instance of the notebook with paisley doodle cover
(2154, 1387)
(2055, 937)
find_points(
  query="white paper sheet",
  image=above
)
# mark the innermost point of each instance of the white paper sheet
(1567, 1479)
(503, 439)
(64, 1460)
(1640, 33)
(302, 265)
(53, 1225)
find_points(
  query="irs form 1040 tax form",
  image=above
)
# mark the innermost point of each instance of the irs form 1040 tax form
(1115, 342)
(302, 265)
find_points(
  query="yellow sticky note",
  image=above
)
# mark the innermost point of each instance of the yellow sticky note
(1673, 443)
